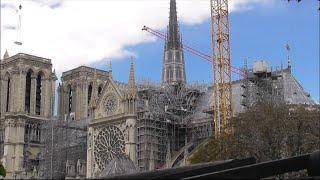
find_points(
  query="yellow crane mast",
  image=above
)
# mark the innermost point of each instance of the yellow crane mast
(220, 38)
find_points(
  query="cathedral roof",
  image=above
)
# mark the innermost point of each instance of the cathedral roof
(26, 57)
(84, 69)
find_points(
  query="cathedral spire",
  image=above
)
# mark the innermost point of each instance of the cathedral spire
(173, 68)
(110, 69)
(6, 54)
(288, 54)
(131, 81)
(173, 36)
(131, 74)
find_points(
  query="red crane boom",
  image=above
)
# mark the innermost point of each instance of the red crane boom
(191, 50)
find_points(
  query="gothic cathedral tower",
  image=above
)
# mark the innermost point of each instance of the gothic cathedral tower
(77, 89)
(173, 68)
(27, 87)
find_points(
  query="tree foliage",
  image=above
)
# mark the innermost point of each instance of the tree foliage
(2, 171)
(266, 132)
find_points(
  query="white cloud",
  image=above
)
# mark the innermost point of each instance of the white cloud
(72, 33)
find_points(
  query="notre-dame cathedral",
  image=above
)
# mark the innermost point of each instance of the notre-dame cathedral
(129, 127)
(27, 101)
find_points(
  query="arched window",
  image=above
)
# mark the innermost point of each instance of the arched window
(38, 94)
(89, 93)
(26, 132)
(70, 99)
(28, 92)
(170, 73)
(8, 95)
(39, 134)
(178, 73)
(99, 90)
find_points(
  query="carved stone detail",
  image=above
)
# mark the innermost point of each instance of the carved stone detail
(108, 143)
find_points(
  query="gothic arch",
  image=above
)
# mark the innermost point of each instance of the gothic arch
(7, 78)
(70, 94)
(28, 85)
(170, 73)
(7, 75)
(178, 72)
(32, 69)
(100, 87)
(39, 88)
(44, 74)
(90, 92)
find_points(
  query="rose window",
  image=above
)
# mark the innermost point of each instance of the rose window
(108, 143)
(110, 104)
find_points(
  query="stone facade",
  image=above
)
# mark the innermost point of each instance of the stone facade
(111, 109)
(124, 125)
(27, 87)
(112, 130)
(109, 106)
(77, 88)
(75, 170)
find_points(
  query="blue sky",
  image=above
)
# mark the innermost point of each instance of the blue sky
(258, 34)
(111, 30)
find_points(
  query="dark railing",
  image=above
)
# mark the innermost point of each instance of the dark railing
(245, 169)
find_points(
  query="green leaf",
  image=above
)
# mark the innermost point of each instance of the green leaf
(2, 171)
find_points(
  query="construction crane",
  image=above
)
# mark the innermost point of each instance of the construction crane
(191, 50)
(221, 63)
(18, 41)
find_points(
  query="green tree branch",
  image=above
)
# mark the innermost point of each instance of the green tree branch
(266, 132)
(2, 171)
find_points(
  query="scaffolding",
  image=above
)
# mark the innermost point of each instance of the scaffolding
(264, 86)
(64, 149)
(164, 122)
